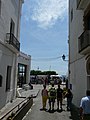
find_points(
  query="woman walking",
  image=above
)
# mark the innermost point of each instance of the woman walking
(44, 94)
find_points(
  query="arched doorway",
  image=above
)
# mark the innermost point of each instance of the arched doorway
(88, 72)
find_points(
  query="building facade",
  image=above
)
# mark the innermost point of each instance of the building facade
(10, 13)
(79, 48)
(24, 66)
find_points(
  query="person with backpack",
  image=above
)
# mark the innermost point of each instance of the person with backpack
(59, 93)
(52, 97)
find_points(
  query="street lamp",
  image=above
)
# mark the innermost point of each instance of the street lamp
(64, 57)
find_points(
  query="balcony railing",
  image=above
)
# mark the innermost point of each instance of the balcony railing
(82, 4)
(12, 40)
(84, 42)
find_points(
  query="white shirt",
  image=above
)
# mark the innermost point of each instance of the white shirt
(85, 104)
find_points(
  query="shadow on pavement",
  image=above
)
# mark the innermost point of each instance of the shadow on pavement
(55, 110)
(74, 113)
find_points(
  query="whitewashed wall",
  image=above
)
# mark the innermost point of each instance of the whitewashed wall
(9, 9)
(78, 75)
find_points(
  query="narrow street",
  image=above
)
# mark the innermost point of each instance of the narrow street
(35, 113)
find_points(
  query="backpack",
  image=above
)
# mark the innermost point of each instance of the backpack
(52, 92)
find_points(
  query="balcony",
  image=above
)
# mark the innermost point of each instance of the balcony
(13, 43)
(82, 4)
(84, 43)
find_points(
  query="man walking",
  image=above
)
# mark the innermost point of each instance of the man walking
(85, 107)
(69, 97)
(59, 97)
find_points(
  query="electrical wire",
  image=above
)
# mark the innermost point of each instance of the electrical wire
(47, 59)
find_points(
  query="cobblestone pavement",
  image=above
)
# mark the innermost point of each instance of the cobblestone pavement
(35, 114)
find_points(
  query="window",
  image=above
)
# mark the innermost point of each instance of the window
(86, 19)
(71, 15)
(22, 74)
(8, 78)
(0, 81)
(87, 23)
(0, 7)
(88, 66)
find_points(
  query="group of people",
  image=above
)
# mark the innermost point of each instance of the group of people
(58, 94)
(55, 94)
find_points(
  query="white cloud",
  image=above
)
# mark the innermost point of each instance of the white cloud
(47, 12)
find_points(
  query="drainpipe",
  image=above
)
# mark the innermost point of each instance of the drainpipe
(19, 18)
(15, 63)
(18, 37)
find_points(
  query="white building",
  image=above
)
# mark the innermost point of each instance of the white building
(10, 13)
(79, 48)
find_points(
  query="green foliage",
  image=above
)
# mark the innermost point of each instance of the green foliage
(38, 72)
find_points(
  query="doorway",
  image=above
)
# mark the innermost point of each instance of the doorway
(21, 74)
(88, 72)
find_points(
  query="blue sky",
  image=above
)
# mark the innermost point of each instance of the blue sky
(44, 34)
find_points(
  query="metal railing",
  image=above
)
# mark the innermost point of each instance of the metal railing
(11, 39)
(18, 106)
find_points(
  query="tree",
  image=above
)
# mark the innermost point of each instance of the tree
(38, 72)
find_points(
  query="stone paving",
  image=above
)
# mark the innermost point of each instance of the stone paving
(35, 114)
